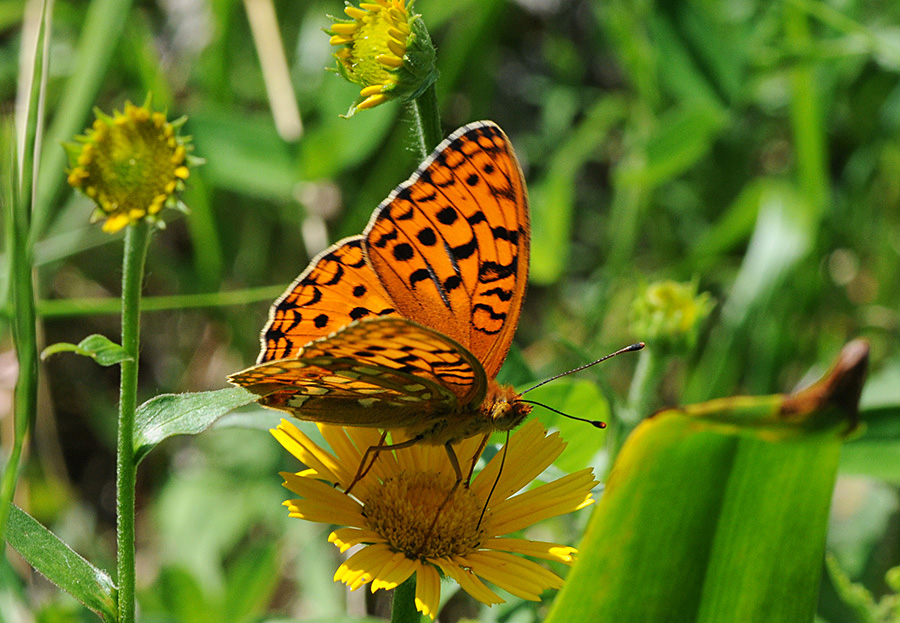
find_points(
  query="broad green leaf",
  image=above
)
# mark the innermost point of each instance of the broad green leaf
(876, 452)
(98, 347)
(579, 398)
(252, 579)
(57, 562)
(183, 414)
(718, 511)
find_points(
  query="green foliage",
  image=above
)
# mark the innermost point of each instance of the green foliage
(53, 559)
(98, 347)
(754, 147)
(182, 414)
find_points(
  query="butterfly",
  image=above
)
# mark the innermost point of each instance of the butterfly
(407, 325)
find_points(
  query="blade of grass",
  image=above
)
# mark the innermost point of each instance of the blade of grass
(18, 222)
(57, 308)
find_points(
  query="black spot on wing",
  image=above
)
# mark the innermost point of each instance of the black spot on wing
(463, 251)
(447, 216)
(501, 233)
(403, 252)
(427, 237)
(451, 283)
(359, 312)
(320, 321)
(500, 293)
(498, 316)
(476, 218)
(385, 239)
(492, 271)
(420, 274)
(336, 278)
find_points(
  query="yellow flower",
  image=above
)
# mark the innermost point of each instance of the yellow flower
(669, 314)
(131, 165)
(392, 512)
(386, 50)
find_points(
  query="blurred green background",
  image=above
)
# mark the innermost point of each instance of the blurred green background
(752, 146)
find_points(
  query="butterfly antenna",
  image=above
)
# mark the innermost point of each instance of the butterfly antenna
(594, 423)
(627, 349)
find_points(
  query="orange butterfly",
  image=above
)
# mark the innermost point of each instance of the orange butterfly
(406, 325)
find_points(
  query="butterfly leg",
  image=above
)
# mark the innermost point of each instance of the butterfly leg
(454, 462)
(496, 480)
(363, 470)
(375, 451)
(475, 457)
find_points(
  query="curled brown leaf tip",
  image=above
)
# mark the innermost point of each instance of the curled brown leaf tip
(840, 388)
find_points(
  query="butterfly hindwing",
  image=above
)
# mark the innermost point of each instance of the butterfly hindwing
(382, 371)
(451, 244)
(337, 288)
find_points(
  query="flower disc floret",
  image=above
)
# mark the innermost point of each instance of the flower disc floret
(413, 512)
(386, 50)
(131, 165)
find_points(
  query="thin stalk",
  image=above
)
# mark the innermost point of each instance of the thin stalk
(18, 216)
(136, 239)
(403, 606)
(63, 308)
(806, 118)
(644, 383)
(427, 121)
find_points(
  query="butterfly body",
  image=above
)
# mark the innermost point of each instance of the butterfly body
(407, 325)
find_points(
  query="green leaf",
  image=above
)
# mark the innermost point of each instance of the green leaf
(580, 398)
(183, 414)
(98, 347)
(252, 579)
(57, 562)
(876, 452)
(718, 511)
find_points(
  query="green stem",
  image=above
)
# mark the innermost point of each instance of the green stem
(64, 308)
(424, 112)
(647, 375)
(806, 117)
(403, 607)
(18, 216)
(136, 239)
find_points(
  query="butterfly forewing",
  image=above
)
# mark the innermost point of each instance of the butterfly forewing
(337, 288)
(451, 244)
(403, 326)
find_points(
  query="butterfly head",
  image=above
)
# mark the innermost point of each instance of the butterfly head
(503, 407)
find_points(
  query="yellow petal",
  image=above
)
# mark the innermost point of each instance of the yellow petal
(535, 549)
(428, 590)
(469, 582)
